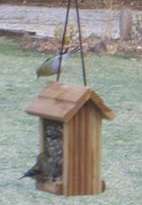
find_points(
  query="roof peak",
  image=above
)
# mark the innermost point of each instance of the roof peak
(62, 102)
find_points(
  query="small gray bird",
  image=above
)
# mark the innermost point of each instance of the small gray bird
(39, 170)
(51, 65)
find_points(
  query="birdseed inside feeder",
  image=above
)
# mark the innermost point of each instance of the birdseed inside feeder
(54, 148)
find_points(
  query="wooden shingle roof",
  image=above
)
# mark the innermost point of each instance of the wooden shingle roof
(62, 102)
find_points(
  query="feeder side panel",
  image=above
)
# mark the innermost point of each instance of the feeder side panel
(71, 190)
(75, 189)
(66, 165)
(71, 158)
(88, 153)
(90, 128)
(95, 135)
(82, 152)
(76, 155)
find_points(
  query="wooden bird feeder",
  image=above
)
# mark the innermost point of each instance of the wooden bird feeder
(78, 113)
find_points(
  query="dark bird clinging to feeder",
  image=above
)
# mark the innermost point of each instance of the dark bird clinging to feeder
(39, 169)
(33, 172)
(51, 65)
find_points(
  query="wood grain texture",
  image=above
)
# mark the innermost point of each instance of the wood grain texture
(63, 92)
(51, 108)
(71, 159)
(62, 102)
(52, 187)
(82, 151)
(83, 154)
(66, 163)
(88, 151)
(95, 128)
(76, 155)
(106, 112)
(82, 117)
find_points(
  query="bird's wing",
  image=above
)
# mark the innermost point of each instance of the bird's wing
(74, 50)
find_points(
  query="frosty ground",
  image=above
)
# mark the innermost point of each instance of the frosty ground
(117, 79)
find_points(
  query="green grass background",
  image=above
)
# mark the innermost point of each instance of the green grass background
(117, 80)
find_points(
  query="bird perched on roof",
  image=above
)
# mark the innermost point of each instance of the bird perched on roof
(51, 65)
(39, 170)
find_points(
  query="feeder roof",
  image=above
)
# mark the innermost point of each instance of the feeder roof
(62, 102)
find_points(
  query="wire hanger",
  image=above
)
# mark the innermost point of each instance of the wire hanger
(80, 41)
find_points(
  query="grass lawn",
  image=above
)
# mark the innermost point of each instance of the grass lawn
(118, 80)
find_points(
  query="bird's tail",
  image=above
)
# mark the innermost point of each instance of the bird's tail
(27, 174)
(21, 177)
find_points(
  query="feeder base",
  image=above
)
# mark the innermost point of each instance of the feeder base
(57, 187)
(52, 187)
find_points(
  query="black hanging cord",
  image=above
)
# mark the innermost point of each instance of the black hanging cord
(80, 43)
(63, 40)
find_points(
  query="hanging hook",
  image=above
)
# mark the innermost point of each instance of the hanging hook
(63, 40)
(80, 41)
